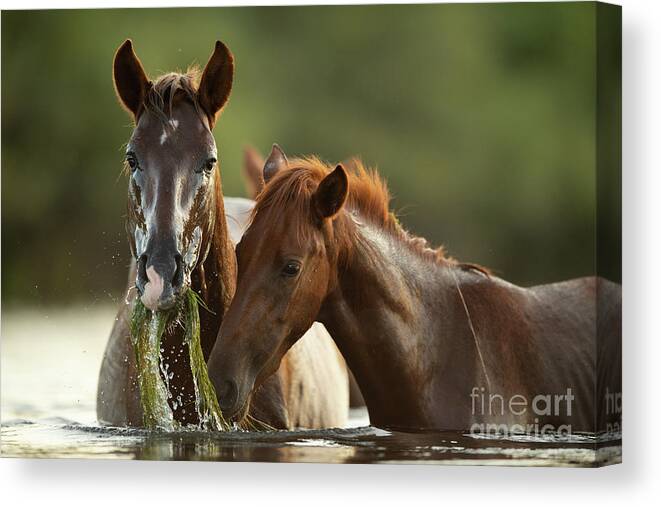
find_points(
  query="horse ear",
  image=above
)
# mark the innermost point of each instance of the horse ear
(131, 83)
(216, 81)
(331, 193)
(253, 173)
(276, 161)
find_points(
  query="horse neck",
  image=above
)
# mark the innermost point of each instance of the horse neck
(387, 317)
(215, 278)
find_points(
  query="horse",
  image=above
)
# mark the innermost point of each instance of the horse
(434, 343)
(252, 171)
(179, 237)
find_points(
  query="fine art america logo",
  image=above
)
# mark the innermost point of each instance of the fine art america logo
(520, 408)
(510, 411)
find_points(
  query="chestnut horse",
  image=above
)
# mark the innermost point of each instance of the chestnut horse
(179, 238)
(433, 343)
(253, 168)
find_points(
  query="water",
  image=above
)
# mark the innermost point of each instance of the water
(50, 362)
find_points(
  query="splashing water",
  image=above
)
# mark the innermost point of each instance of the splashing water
(206, 402)
(146, 332)
(147, 329)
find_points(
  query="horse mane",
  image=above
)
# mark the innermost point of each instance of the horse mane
(368, 197)
(171, 88)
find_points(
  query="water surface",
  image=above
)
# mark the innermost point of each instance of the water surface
(50, 362)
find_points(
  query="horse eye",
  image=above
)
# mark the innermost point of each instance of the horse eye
(291, 268)
(209, 164)
(132, 161)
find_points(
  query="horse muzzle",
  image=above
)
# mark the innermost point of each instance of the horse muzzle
(160, 282)
(233, 401)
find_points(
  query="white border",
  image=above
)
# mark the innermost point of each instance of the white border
(89, 482)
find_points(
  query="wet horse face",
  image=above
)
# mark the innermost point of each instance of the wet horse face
(172, 158)
(285, 270)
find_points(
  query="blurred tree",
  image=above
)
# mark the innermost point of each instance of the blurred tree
(481, 117)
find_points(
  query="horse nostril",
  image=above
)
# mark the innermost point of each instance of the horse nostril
(178, 278)
(227, 395)
(142, 273)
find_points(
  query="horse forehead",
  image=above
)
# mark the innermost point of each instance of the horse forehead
(188, 124)
(282, 233)
(182, 132)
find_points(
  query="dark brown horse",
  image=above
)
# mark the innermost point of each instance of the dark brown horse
(179, 238)
(434, 343)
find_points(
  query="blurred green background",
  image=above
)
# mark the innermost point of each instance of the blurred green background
(481, 117)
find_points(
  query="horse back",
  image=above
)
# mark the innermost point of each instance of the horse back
(551, 342)
(315, 381)
(578, 325)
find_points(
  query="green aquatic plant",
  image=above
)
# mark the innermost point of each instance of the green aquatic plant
(206, 401)
(147, 329)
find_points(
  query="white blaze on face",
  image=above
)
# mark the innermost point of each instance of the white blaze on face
(153, 289)
(173, 126)
(140, 241)
(193, 251)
